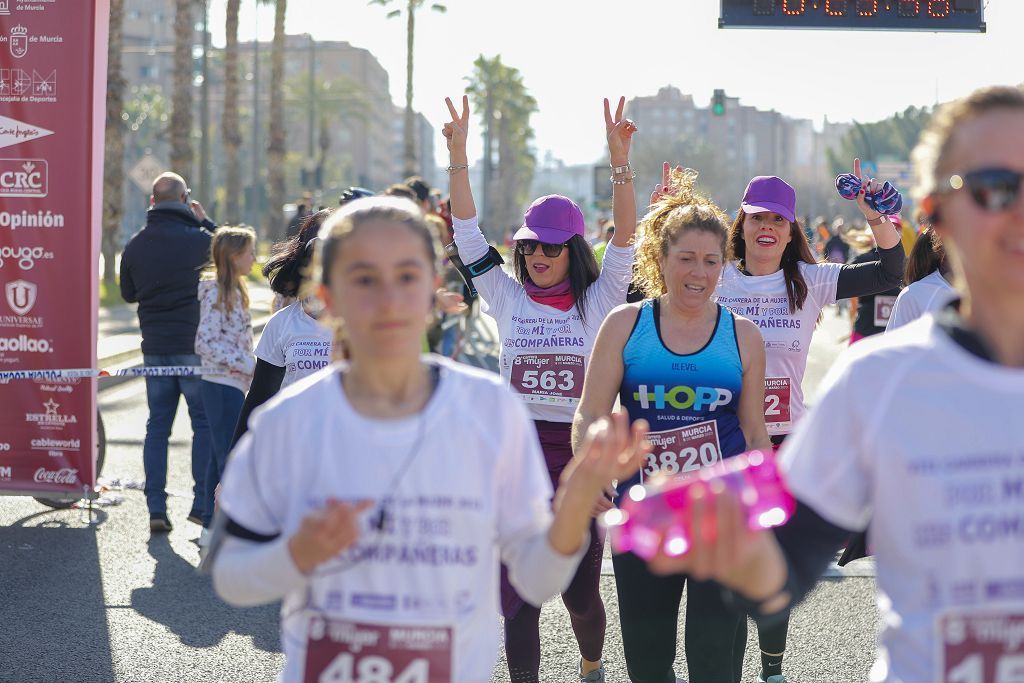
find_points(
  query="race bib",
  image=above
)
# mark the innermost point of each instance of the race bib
(349, 652)
(883, 309)
(683, 450)
(981, 647)
(777, 391)
(552, 378)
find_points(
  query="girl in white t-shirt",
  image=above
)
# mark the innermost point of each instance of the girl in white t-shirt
(919, 431)
(382, 530)
(927, 278)
(774, 281)
(548, 314)
(293, 344)
(224, 344)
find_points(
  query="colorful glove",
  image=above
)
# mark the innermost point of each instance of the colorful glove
(887, 200)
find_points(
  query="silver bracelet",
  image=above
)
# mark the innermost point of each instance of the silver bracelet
(456, 167)
(617, 170)
(622, 181)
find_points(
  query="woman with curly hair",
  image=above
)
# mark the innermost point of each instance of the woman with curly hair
(695, 371)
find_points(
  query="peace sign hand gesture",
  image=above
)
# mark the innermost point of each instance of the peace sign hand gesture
(866, 185)
(620, 132)
(456, 130)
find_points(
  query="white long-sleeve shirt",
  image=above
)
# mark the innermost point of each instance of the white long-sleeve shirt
(545, 351)
(461, 494)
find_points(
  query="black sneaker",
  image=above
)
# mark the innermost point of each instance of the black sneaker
(195, 517)
(158, 522)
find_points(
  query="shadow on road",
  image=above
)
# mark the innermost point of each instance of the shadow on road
(184, 601)
(51, 574)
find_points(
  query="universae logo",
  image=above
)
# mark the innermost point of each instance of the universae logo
(681, 397)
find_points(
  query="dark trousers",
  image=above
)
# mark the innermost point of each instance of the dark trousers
(715, 635)
(223, 405)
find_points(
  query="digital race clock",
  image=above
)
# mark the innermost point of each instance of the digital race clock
(909, 15)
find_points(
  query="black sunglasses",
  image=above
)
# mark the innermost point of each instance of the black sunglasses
(529, 248)
(992, 189)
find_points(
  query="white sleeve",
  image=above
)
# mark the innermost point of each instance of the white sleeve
(255, 480)
(248, 573)
(610, 288)
(826, 458)
(823, 281)
(497, 287)
(905, 310)
(270, 349)
(535, 569)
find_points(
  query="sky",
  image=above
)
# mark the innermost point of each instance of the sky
(572, 53)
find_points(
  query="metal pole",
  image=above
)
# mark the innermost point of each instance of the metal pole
(312, 98)
(204, 111)
(257, 188)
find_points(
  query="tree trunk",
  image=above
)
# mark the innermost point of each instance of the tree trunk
(276, 148)
(113, 156)
(181, 115)
(229, 120)
(409, 132)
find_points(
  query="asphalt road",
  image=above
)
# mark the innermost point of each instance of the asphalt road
(106, 602)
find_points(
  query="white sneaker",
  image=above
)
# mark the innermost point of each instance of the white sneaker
(204, 538)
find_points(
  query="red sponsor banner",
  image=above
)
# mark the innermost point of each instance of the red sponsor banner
(982, 647)
(53, 56)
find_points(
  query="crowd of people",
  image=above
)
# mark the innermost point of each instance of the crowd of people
(399, 502)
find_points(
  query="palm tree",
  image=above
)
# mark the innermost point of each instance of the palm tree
(113, 162)
(409, 162)
(230, 129)
(181, 113)
(276, 147)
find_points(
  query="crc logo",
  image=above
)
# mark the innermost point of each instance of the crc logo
(23, 177)
(25, 256)
(21, 296)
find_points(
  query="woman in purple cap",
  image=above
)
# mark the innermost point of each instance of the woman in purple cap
(773, 279)
(548, 315)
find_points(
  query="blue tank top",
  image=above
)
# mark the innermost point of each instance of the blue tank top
(690, 400)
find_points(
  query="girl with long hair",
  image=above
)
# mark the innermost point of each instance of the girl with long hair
(224, 344)
(548, 313)
(382, 531)
(927, 278)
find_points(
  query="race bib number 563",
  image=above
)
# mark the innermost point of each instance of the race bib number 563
(347, 652)
(683, 450)
(981, 647)
(553, 378)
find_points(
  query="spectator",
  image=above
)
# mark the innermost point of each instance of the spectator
(836, 249)
(160, 270)
(301, 213)
(601, 246)
(424, 195)
(400, 190)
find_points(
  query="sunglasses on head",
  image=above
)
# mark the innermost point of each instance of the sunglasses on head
(529, 248)
(992, 189)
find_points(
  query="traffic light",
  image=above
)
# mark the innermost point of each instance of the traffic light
(718, 103)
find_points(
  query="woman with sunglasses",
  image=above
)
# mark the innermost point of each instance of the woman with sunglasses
(548, 315)
(774, 281)
(917, 430)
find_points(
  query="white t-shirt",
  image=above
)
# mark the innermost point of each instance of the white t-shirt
(927, 295)
(787, 336)
(923, 439)
(296, 342)
(545, 351)
(471, 488)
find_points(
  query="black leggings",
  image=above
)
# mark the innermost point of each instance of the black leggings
(586, 612)
(715, 635)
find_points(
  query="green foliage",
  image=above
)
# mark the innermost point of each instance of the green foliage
(892, 138)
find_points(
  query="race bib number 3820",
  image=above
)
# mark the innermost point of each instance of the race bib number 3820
(682, 451)
(349, 652)
(981, 647)
(552, 378)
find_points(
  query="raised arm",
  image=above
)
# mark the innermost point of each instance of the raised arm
(620, 133)
(455, 133)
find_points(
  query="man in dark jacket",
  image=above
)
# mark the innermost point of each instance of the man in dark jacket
(160, 269)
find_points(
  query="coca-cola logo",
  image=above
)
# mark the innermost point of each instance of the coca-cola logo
(65, 475)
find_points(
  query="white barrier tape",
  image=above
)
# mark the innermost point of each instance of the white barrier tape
(78, 373)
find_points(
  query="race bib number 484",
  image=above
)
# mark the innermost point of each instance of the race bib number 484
(553, 378)
(683, 450)
(983, 647)
(347, 652)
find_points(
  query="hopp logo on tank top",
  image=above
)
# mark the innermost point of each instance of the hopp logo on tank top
(551, 378)
(683, 450)
(340, 651)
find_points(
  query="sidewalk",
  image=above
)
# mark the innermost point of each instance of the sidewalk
(119, 342)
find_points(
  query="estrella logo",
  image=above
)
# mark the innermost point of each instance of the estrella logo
(681, 397)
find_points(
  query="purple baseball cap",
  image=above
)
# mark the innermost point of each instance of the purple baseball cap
(553, 219)
(770, 193)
